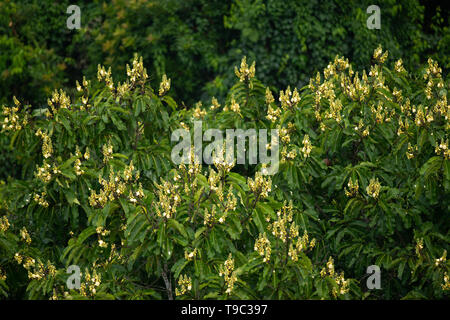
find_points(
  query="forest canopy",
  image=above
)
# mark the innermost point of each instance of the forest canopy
(97, 203)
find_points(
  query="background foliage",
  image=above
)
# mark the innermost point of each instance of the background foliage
(198, 41)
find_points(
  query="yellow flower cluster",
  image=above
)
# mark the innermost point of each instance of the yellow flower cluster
(301, 244)
(199, 113)
(222, 164)
(334, 111)
(185, 284)
(102, 244)
(36, 270)
(122, 89)
(262, 246)
(379, 56)
(184, 126)
(373, 189)
(85, 90)
(411, 151)
(420, 118)
(26, 260)
(406, 108)
(40, 271)
(285, 155)
(139, 194)
(4, 224)
(164, 86)
(307, 146)
(353, 188)
(214, 104)
(2, 275)
(284, 135)
(399, 66)
(227, 271)
(273, 114)
(245, 73)
(47, 148)
(102, 74)
(338, 65)
(441, 260)
(107, 151)
(402, 126)
(382, 114)
(234, 106)
(260, 186)
(269, 96)
(434, 76)
(215, 184)
(129, 171)
(284, 228)
(443, 149)
(168, 199)
(433, 69)
(231, 203)
(233, 102)
(25, 235)
(40, 199)
(190, 172)
(398, 95)
(44, 173)
(446, 284)
(91, 283)
(54, 296)
(116, 187)
(58, 101)
(87, 154)
(189, 256)
(101, 232)
(138, 73)
(209, 218)
(85, 85)
(314, 83)
(358, 88)
(291, 126)
(343, 285)
(443, 108)
(12, 122)
(289, 99)
(77, 164)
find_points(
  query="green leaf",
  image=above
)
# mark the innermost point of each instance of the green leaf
(86, 233)
(71, 197)
(174, 224)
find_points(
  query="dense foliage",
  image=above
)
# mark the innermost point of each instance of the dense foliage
(364, 179)
(198, 41)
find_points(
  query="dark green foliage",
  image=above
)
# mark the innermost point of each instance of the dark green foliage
(70, 191)
(197, 41)
(137, 236)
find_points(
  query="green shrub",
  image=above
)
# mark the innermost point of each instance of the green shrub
(363, 180)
